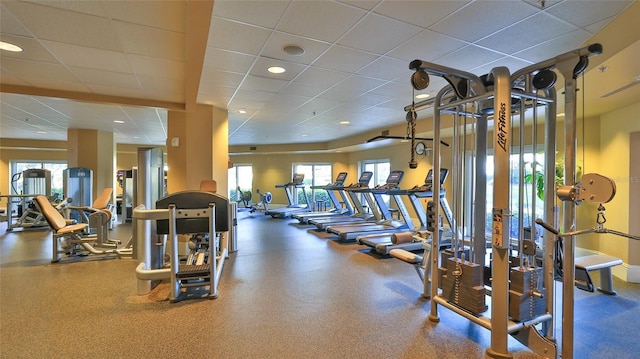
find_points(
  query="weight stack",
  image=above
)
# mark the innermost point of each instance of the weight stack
(523, 305)
(462, 285)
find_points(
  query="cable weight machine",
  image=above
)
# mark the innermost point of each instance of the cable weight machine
(498, 279)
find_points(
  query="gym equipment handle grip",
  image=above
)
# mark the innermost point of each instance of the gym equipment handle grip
(547, 227)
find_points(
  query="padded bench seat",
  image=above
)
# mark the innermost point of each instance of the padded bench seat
(594, 262)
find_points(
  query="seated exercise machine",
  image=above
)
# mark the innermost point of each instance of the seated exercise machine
(291, 188)
(204, 217)
(388, 224)
(337, 207)
(360, 214)
(69, 238)
(99, 217)
(409, 241)
(32, 218)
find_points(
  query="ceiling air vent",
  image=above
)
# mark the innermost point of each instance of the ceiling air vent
(634, 82)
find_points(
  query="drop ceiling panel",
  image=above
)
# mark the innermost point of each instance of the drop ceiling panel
(167, 15)
(318, 106)
(84, 7)
(158, 67)
(217, 59)
(427, 46)
(479, 20)
(296, 88)
(286, 103)
(232, 36)
(316, 76)
(468, 58)
(344, 59)
(221, 78)
(558, 45)
(520, 35)
(29, 69)
(322, 20)
(162, 89)
(148, 41)
(385, 68)
(9, 25)
(585, 13)
(33, 50)
(212, 92)
(263, 84)
(49, 23)
(260, 13)
(105, 78)
(421, 13)
(88, 57)
(378, 34)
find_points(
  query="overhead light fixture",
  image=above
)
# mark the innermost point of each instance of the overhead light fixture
(10, 47)
(422, 95)
(242, 111)
(276, 69)
(118, 121)
(344, 122)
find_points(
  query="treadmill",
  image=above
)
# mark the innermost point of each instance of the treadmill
(293, 207)
(388, 224)
(360, 214)
(382, 243)
(337, 206)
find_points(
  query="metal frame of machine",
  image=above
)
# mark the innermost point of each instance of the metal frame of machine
(521, 294)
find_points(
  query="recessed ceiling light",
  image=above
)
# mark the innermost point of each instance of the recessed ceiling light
(294, 50)
(344, 122)
(118, 121)
(305, 135)
(276, 69)
(10, 47)
(242, 111)
(42, 132)
(422, 95)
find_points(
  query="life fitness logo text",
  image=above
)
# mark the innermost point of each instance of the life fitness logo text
(503, 135)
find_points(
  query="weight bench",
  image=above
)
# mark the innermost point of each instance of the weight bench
(594, 262)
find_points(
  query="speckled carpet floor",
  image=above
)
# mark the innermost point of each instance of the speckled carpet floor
(286, 293)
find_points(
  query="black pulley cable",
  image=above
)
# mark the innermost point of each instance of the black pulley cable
(411, 127)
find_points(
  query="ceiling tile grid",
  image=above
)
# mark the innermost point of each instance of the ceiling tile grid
(354, 65)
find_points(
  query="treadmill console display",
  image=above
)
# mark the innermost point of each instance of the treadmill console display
(395, 177)
(443, 177)
(365, 178)
(340, 179)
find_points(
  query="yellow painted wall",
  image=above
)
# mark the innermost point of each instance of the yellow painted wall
(270, 170)
(615, 129)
